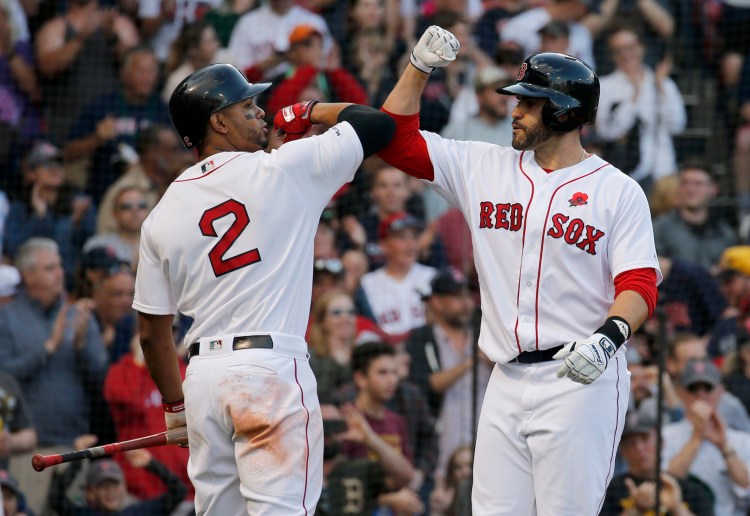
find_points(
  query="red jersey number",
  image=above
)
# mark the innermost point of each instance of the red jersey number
(219, 264)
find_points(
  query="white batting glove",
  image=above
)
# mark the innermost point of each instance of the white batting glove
(586, 360)
(174, 414)
(435, 49)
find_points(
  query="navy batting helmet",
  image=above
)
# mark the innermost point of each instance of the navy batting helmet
(205, 92)
(570, 86)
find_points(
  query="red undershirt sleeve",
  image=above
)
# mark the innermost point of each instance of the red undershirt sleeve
(642, 281)
(408, 149)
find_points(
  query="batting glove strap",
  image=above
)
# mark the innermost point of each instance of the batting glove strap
(419, 64)
(294, 120)
(616, 329)
(174, 407)
(174, 414)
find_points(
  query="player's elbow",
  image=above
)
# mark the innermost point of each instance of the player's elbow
(154, 330)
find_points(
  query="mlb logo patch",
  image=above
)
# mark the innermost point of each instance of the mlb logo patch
(214, 345)
(207, 166)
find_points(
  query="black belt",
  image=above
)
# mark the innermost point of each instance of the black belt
(245, 342)
(534, 357)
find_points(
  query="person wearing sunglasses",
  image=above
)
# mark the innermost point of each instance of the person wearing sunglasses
(332, 337)
(130, 209)
(703, 445)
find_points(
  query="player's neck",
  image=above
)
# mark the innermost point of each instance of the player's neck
(560, 151)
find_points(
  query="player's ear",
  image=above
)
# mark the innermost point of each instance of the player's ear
(217, 123)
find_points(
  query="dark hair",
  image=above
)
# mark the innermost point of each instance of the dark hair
(448, 19)
(367, 353)
(131, 52)
(696, 162)
(148, 138)
(190, 37)
(624, 27)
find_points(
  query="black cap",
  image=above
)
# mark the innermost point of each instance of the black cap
(555, 29)
(447, 282)
(44, 153)
(636, 423)
(397, 222)
(100, 258)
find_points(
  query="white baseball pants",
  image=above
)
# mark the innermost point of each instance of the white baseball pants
(255, 430)
(545, 445)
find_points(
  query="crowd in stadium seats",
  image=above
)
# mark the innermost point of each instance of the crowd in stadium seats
(87, 149)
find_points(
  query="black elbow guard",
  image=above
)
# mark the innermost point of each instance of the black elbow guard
(374, 128)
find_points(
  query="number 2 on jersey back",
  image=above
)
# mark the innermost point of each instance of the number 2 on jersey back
(219, 264)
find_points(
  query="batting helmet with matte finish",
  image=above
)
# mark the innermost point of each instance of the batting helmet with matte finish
(570, 86)
(205, 92)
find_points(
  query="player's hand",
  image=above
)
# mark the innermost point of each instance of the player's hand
(292, 122)
(585, 360)
(435, 49)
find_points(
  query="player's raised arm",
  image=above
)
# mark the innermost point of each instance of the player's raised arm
(408, 151)
(436, 48)
(374, 128)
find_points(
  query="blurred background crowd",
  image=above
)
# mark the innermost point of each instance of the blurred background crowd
(87, 149)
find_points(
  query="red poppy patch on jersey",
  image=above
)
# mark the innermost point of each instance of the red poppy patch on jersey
(578, 199)
(521, 72)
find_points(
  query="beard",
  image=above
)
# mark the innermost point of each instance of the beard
(456, 320)
(531, 137)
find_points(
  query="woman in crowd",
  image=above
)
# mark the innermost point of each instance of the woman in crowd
(452, 496)
(332, 338)
(196, 47)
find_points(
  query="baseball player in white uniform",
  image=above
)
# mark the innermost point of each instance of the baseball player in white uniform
(230, 244)
(565, 253)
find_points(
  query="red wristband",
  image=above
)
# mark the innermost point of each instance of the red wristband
(173, 408)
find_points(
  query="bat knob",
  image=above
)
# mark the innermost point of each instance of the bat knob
(37, 462)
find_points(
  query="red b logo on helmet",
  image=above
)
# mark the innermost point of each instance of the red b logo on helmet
(521, 72)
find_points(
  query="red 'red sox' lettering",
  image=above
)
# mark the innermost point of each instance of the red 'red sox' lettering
(507, 216)
(573, 231)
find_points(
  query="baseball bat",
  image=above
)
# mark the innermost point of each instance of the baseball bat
(175, 436)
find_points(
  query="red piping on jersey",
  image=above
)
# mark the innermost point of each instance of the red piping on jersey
(523, 243)
(207, 173)
(541, 247)
(307, 440)
(613, 452)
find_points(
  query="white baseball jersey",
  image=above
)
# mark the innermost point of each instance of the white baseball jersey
(262, 31)
(547, 246)
(397, 305)
(231, 242)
